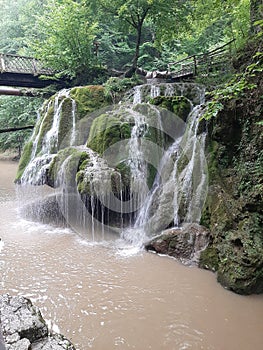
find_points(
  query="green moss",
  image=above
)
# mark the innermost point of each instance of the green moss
(179, 105)
(209, 259)
(125, 172)
(65, 125)
(87, 181)
(88, 99)
(116, 87)
(46, 126)
(212, 160)
(151, 172)
(106, 130)
(82, 186)
(182, 162)
(75, 159)
(233, 209)
(241, 257)
(26, 156)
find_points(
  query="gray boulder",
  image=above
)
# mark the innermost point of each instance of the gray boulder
(23, 327)
(184, 243)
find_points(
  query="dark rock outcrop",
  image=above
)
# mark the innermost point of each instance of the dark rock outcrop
(24, 328)
(184, 244)
(234, 206)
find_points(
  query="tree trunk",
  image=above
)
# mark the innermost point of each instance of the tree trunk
(256, 13)
(15, 92)
(133, 68)
(16, 129)
(25, 92)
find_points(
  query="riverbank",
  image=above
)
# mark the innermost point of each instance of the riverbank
(23, 327)
(103, 296)
(9, 155)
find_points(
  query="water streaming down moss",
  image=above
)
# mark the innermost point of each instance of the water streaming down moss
(116, 147)
(132, 127)
(56, 121)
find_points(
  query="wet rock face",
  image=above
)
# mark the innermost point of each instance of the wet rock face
(184, 244)
(233, 211)
(23, 327)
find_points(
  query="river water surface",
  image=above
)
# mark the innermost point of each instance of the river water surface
(102, 297)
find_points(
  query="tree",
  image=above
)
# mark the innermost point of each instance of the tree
(256, 14)
(11, 31)
(215, 21)
(17, 112)
(164, 14)
(65, 35)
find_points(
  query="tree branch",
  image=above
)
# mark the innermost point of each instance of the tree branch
(16, 129)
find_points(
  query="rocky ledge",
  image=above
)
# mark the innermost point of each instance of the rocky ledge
(184, 243)
(23, 327)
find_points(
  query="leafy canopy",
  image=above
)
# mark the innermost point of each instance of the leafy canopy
(15, 112)
(67, 32)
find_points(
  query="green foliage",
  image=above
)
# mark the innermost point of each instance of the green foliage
(259, 24)
(24, 160)
(251, 176)
(115, 48)
(11, 30)
(134, 17)
(213, 21)
(115, 87)
(16, 112)
(235, 88)
(69, 30)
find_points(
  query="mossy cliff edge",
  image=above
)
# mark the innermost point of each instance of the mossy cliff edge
(75, 129)
(234, 206)
(87, 99)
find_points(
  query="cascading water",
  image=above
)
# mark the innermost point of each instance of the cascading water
(177, 192)
(136, 161)
(43, 150)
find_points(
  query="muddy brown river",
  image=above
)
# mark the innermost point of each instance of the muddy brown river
(105, 296)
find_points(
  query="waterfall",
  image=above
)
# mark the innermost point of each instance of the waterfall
(143, 93)
(167, 177)
(45, 148)
(73, 136)
(137, 95)
(136, 160)
(179, 190)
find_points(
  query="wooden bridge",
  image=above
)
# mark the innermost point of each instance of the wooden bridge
(21, 71)
(204, 65)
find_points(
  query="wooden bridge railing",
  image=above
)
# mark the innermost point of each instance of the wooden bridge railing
(22, 65)
(202, 64)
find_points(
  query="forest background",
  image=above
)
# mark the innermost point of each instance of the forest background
(84, 39)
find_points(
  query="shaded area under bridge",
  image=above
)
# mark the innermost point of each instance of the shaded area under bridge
(21, 71)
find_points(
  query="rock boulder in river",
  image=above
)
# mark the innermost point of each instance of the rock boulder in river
(184, 243)
(24, 328)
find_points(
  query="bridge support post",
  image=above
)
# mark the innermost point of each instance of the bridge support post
(195, 66)
(2, 63)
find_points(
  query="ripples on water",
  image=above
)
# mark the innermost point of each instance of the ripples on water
(109, 295)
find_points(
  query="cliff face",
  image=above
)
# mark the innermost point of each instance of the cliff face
(234, 207)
